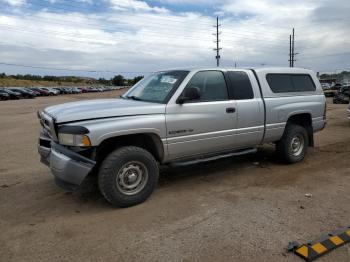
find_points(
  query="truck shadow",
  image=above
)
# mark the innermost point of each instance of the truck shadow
(263, 158)
(217, 169)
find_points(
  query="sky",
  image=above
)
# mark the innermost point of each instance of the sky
(134, 37)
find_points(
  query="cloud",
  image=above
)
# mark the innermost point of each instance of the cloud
(138, 36)
(15, 3)
(136, 5)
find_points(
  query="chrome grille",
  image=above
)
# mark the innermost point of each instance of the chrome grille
(48, 126)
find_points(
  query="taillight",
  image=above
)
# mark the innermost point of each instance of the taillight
(325, 111)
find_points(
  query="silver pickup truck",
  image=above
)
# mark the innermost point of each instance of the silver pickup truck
(179, 117)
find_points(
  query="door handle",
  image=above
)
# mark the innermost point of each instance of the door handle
(230, 110)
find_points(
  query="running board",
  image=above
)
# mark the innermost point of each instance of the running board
(212, 158)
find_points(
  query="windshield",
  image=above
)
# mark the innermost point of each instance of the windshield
(157, 87)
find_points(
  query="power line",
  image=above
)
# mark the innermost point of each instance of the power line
(91, 40)
(72, 70)
(80, 6)
(322, 56)
(158, 18)
(152, 26)
(94, 40)
(179, 19)
(143, 32)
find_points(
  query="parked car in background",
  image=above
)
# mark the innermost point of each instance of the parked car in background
(52, 92)
(58, 89)
(332, 91)
(13, 95)
(325, 86)
(83, 89)
(107, 88)
(68, 90)
(36, 92)
(75, 90)
(93, 89)
(42, 92)
(4, 95)
(23, 92)
(342, 96)
(30, 91)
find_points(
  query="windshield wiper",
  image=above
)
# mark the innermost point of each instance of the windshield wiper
(134, 98)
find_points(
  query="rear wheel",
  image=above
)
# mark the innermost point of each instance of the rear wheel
(128, 176)
(293, 145)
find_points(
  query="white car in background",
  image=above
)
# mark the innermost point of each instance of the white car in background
(52, 91)
(325, 86)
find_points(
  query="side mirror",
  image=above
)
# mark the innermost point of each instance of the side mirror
(190, 93)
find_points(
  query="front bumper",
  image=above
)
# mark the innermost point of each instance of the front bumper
(68, 167)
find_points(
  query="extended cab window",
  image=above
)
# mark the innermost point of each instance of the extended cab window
(211, 86)
(240, 86)
(284, 83)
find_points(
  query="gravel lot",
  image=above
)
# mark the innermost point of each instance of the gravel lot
(238, 209)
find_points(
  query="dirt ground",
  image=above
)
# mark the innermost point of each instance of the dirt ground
(238, 209)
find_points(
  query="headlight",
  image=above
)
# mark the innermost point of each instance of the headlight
(74, 140)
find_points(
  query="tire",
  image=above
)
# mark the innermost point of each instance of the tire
(293, 145)
(126, 167)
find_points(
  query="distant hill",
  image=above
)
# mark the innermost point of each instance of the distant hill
(37, 80)
(4, 82)
(32, 80)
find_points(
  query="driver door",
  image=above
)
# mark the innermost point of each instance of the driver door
(204, 125)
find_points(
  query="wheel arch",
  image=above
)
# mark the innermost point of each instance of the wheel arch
(303, 119)
(148, 141)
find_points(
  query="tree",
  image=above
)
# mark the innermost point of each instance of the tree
(136, 79)
(118, 80)
(104, 81)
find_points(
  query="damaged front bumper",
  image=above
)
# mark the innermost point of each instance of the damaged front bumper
(69, 168)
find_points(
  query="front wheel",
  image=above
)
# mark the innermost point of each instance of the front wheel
(128, 176)
(293, 145)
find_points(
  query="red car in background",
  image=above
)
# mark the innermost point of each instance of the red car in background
(41, 92)
(83, 89)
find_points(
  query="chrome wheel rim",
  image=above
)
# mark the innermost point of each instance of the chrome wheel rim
(132, 178)
(297, 145)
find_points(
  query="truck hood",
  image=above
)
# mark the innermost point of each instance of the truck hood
(102, 108)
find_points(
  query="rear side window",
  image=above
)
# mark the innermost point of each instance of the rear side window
(240, 86)
(284, 83)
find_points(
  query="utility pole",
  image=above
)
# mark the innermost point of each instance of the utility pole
(293, 53)
(290, 51)
(217, 49)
